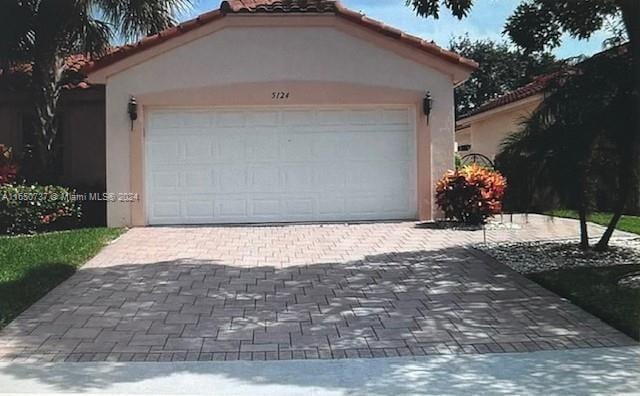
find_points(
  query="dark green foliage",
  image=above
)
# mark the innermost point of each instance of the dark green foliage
(596, 290)
(539, 24)
(627, 223)
(43, 33)
(425, 8)
(581, 140)
(30, 209)
(502, 69)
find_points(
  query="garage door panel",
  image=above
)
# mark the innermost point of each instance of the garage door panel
(232, 207)
(395, 117)
(298, 118)
(198, 149)
(199, 208)
(167, 209)
(364, 204)
(196, 120)
(265, 178)
(297, 178)
(331, 117)
(164, 120)
(263, 118)
(270, 165)
(299, 207)
(295, 147)
(398, 203)
(331, 205)
(262, 147)
(266, 208)
(164, 152)
(231, 146)
(231, 178)
(227, 119)
(331, 177)
(198, 179)
(165, 181)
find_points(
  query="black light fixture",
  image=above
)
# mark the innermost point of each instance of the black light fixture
(132, 109)
(427, 105)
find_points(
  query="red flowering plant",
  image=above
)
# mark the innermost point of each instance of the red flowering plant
(8, 168)
(471, 194)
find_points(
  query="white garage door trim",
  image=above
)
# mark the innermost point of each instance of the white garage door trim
(332, 163)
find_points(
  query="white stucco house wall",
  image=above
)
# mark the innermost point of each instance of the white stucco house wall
(270, 111)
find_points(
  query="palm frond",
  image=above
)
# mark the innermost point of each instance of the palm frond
(16, 33)
(136, 18)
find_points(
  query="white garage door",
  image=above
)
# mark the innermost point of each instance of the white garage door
(280, 165)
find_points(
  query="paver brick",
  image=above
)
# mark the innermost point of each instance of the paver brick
(301, 292)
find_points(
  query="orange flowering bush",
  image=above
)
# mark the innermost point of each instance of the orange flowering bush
(471, 194)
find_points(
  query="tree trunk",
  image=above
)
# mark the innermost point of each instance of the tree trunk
(47, 75)
(631, 150)
(584, 231)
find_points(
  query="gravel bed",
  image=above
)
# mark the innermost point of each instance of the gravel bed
(540, 256)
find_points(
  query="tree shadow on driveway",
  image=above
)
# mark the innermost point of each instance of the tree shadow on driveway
(440, 304)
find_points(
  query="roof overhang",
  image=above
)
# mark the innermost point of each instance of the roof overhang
(466, 122)
(342, 18)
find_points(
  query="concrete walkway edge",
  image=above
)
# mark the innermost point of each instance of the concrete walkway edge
(581, 371)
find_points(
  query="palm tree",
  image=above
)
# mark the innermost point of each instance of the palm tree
(43, 33)
(582, 135)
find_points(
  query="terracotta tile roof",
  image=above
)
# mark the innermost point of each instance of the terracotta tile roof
(280, 6)
(541, 83)
(153, 40)
(535, 87)
(18, 76)
(272, 6)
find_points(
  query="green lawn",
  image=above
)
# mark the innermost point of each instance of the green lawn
(596, 290)
(30, 266)
(626, 223)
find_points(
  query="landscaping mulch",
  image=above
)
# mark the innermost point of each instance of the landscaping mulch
(541, 256)
(606, 284)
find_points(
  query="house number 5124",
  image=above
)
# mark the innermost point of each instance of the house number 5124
(280, 95)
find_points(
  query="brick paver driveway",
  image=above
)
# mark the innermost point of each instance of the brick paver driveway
(300, 291)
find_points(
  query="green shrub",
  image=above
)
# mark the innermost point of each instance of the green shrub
(27, 209)
(458, 161)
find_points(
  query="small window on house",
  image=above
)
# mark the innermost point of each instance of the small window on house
(464, 147)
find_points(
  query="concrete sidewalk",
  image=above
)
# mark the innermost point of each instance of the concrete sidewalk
(574, 372)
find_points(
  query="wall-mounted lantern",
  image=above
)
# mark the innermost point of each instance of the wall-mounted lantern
(132, 109)
(427, 105)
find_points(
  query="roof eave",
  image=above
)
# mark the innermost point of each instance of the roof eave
(462, 122)
(465, 66)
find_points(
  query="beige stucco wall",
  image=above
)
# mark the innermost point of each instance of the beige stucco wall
(463, 137)
(486, 131)
(241, 63)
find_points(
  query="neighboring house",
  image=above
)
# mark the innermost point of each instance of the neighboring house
(274, 111)
(81, 138)
(482, 130)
